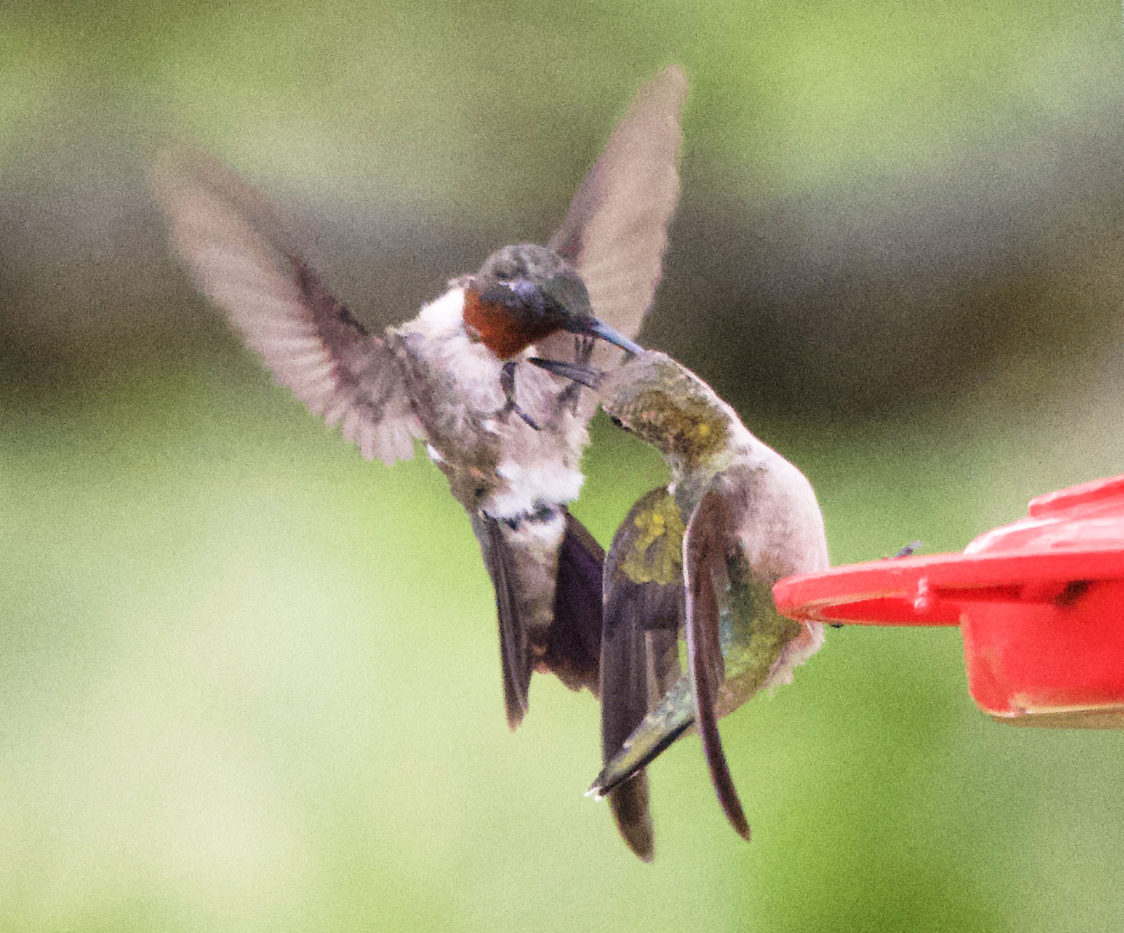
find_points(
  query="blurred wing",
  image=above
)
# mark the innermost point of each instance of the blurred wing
(710, 532)
(615, 231)
(638, 663)
(239, 254)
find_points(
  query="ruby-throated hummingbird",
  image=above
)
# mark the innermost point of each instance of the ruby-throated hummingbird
(507, 436)
(695, 560)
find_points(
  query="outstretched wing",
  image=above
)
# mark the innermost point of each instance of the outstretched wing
(615, 231)
(240, 255)
(709, 535)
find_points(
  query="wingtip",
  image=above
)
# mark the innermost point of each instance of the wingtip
(641, 845)
(671, 86)
(674, 75)
(516, 707)
(729, 800)
(740, 823)
(629, 803)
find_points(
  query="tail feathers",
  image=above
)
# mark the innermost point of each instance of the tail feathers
(549, 615)
(572, 648)
(515, 656)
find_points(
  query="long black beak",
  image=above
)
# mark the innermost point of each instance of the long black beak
(598, 328)
(590, 378)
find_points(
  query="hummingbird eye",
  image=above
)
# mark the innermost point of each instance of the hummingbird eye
(506, 269)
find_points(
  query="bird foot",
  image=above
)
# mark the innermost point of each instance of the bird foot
(583, 353)
(507, 381)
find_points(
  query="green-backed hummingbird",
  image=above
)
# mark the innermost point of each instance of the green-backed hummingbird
(695, 562)
(507, 436)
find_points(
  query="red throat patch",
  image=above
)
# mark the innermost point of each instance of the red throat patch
(498, 328)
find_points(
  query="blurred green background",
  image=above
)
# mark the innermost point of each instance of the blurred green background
(250, 682)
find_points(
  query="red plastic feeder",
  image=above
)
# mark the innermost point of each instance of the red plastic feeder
(1040, 605)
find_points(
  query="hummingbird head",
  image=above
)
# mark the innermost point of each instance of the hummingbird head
(524, 293)
(666, 405)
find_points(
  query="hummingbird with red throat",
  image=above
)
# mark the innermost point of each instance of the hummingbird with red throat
(508, 436)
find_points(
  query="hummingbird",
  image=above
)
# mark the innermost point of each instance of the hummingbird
(507, 436)
(694, 562)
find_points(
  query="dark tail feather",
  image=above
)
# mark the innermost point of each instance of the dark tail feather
(573, 641)
(515, 657)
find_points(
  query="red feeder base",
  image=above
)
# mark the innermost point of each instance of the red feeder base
(1040, 604)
